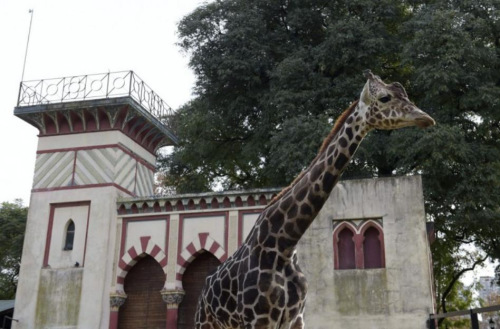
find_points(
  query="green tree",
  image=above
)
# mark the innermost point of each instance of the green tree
(270, 77)
(273, 75)
(451, 261)
(12, 225)
(453, 51)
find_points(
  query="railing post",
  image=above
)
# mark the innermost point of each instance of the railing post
(130, 84)
(62, 91)
(142, 92)
(107, 84)
(41, 89)
(19, 94)
(85, 87)
(473, 319)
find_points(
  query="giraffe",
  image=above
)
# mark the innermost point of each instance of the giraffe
(261, 285)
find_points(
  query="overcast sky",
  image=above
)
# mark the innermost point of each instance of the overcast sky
(82, 37)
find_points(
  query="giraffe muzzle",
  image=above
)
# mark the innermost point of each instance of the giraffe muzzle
(420, 118)
(424, 121)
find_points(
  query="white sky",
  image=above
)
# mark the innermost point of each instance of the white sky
(83, 37)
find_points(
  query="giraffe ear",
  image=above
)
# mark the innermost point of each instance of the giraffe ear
(365, 94)
(368, 74)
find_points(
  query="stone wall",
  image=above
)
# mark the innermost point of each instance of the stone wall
(396, 296)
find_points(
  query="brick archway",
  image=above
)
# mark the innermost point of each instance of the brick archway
(134, 254)
(195, 248)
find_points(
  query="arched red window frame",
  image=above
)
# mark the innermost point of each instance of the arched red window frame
(336, 232)
(372, 224)
(358, 242)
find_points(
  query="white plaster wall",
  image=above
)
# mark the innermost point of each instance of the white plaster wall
(100, 260)
(94, 139)
(58, 257)
(214, 225)
(96, 280)
(232, 243)
(172, 251)
(248, 221)
(398, 296)
(156, 229)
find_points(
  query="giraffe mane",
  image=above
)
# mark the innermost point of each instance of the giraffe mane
(340, 121)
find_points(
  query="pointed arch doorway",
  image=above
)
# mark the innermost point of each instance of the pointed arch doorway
(144, 307)
(193, 280)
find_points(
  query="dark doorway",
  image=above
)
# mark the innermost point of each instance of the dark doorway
(144, 307)
(193, 281)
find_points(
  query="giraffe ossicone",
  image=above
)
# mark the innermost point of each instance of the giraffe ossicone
(261, 284)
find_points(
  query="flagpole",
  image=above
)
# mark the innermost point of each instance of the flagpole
(27, 44)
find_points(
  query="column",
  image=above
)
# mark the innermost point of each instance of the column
(116, 300)
(172, 298)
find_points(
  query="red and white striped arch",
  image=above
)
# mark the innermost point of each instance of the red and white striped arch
(134, 254)
(203, 243)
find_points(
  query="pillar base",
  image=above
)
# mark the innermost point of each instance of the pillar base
(172, 298)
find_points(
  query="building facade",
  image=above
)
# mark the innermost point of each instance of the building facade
(101, 252)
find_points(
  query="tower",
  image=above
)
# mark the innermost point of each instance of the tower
(98, 135)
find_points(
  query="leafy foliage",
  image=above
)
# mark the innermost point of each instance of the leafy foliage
(272, 76)
(12, 225)
(269, 75)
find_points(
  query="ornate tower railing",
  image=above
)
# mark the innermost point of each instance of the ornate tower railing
(94, 86)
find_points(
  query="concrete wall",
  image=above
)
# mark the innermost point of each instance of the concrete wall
(39, 284)
(52, 292)
(397, 296)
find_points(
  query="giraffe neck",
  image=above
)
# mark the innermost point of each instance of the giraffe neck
(290, 214)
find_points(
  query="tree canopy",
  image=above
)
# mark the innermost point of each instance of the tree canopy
(272, 76)
(12, 225)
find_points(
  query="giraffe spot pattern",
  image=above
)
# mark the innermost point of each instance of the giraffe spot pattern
(265, 281)
(316, 201)
(348, 131)
(316, 172)
(328, 182)
(267, 260)
(341, 161)
(250, 296)
(276, 220)
(305, 209)
(290, 230)
(303, 224)
(301, 194)
(292, 212)
(262, 306)
(270, 242)
(286, 203)
(342, 142)
(275, 314)
(352, 148)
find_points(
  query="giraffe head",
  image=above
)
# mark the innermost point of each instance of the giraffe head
(387, 106)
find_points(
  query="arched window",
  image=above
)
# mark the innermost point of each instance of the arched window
(358, 245)
(70, 235)
(346, 249)
(372, 248)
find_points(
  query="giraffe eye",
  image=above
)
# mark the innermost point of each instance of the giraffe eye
(385, 99)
